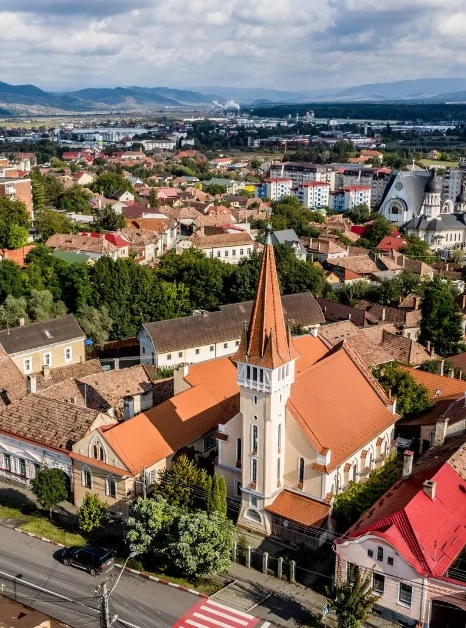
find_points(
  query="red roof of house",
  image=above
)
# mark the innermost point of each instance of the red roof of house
(359, 229)
(390, 243)
(113, 238)
(428, 533)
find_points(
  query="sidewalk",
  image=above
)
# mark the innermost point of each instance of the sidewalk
(285, 604)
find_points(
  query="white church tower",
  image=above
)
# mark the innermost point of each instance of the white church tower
(265, 372)
(432, 197)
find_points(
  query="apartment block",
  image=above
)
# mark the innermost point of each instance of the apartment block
(275, 189)
(303, 172)
(312, 195)
(17, 189)
(348, 197)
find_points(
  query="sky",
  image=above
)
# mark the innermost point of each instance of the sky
(281, 44)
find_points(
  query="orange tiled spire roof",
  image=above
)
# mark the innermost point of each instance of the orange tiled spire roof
(267, 342)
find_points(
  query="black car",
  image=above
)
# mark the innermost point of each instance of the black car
(95, 560)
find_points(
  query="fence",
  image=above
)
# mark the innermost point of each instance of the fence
(280, 567)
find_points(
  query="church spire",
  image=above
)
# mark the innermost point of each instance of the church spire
(267, 342)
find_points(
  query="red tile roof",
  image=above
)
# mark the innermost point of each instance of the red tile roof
(299, 508)
(428, 533)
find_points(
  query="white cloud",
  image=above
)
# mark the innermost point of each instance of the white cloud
(281, 44)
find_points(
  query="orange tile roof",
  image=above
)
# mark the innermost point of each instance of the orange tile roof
(267, 342)
(159, 432)
(98, 463)
(338, 405)
(298, 508)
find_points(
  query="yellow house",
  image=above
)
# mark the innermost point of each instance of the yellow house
(45, 344)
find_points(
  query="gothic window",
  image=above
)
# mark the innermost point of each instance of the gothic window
(300, 472)
(86, 478)
(254, 437)
(110, 486)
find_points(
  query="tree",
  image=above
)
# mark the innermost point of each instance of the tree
(441, 322)
(108, 183)
(12, 213)
(96, 323)
(12, 310)
(416, 248)
(214, 189)
(39, 198)
(17, 236)
(42, 307)
(377, 229)
(357, 497)
(153, 198)
(148, 522)
(217, 495)
(92, 515)
(109, 220)
(49, 486)
(411, 397)
(359, 214)
(10, 280)
(352, 598)
(75, 199)
(182, 484)
(48, 222)
(201, 543)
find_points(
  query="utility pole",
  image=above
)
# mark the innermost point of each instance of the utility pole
(105, 621)
(144, 488)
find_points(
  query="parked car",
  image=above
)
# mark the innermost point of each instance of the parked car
(95, 560)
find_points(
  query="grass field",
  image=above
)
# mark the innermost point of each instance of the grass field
(438, 164)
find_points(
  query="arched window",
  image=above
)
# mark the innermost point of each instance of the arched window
(239, 452)
(110, 486)
(86, 477)
(300, 472)
(254, 438)
(253, 515)
(279, 439)
(98, 451)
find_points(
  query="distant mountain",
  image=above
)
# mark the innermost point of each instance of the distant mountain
(29, 99)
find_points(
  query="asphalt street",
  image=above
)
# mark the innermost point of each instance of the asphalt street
(137, 602)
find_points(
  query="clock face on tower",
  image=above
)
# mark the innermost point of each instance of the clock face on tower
(397, 206)
(398, 185)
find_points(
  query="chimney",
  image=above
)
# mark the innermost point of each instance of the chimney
(441, 366)
(441, 429)
(74, 401)
(31, 384)
(21, 322)
(429, 487)
(463, 301)
(46, 371)
(416, 303)
(432, 351)
(451, 373)
(428, 346)
(407, 464)
(383, 314)
(349, 316)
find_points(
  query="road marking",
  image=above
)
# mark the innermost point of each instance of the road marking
(215, 603)
(214, 611)
(210, 614)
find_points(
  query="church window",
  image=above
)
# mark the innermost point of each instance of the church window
(253, 515)
(254, 438)
(261, 376)
(254, 471)
(239, 452)
(248, 372)
(254, 400)
(254, 374)
(279, 440)
(279, 475)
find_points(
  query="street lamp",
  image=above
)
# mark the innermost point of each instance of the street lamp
(106, 620)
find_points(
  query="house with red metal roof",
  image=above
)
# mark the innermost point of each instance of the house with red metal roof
(413, 540)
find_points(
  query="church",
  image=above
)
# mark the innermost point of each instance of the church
(413, 200)
(311, 419)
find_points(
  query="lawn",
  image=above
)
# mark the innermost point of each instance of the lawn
(438, 164)
(49, 530)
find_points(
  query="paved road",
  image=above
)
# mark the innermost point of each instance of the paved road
(136, 601)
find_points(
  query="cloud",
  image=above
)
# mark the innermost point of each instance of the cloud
(280, 44)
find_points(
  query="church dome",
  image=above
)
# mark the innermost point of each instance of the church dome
(461, 198)
(434, 185)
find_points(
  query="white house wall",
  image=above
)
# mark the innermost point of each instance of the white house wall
(32, 455)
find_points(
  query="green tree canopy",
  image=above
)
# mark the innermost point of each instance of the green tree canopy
(13, 214)
(352, 599)
(441, 322)
(48, 222)
(49, 486)
(108, 183)
(183, 484)
(75, 199)
(359, 214)
(109, 220)
(411, 397)
(417, 249)
(214, 189)
(12, 310)
(148, 523)
(92, 514)
(42, 307)
(96, 323)
(10, 280)
(377, 229)
(201, 543)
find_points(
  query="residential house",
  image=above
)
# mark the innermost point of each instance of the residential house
(334, 312)
(12, 382)
(165, 227)
(211, 334)
(145, 244)
(230, 248)
(406, 319)
(289, 238)
(37, 432)
(411, 538)
(16, 255)
(116, 463)
(391, 243)
(447, 413)
(83, 178)
(365, 266)
(54, 343)
(123, 196)
(377, 344)
(93, 245)
(323, 249)
(231, 187)
(17, 189)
